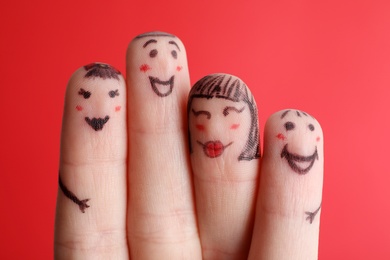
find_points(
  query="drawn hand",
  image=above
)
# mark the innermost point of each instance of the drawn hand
(170, 173)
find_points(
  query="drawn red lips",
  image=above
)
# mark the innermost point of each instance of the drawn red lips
(299, 163)
(160, 87)
(213, 149)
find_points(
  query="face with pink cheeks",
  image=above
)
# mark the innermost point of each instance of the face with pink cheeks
(299, 136)
(223, 119)
(100, 97)
(219, 126)
(163, 58)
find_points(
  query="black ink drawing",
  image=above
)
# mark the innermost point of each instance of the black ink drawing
(103, 71)
(299, 163)
(227, 109)
(294, 160)
(162, 88)
(113, 93)
(97, 123)
(84, 93)
(155, 34)
(311, 215)
(174, 43)
(202, 112)
(226, 87)
(70, 195)
(156, 82)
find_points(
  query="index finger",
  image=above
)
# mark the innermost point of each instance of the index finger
(91, 202)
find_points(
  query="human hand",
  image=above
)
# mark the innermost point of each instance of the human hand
(150, 172)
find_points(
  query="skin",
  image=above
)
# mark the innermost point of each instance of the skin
(150, 198)
(223, 178)
(278, 211)
(92, 166)
(231, 130)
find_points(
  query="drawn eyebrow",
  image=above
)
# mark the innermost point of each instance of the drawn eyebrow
(149, 42)
(85, 93)
(174, 43)
(227, 109)
(202, 112)
(284, 114)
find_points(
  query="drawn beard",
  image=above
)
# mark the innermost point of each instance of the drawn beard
(97, 123)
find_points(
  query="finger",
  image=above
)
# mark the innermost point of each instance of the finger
(161, 215)
(224, 143)
(91, 202)
(290, 193)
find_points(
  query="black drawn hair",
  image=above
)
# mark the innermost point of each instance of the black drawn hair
(101, 70)
(298, 113)
(230, 88)
(154, 34)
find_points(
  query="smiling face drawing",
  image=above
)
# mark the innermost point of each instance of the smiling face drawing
(163, 60)
(94, 99)
(293, 122)
(223, 118)
(218, 125)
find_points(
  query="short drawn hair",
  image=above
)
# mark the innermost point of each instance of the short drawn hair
(154, 34)
(101, 70)
(231, 88)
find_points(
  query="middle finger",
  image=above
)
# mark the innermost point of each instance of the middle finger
(161, 213)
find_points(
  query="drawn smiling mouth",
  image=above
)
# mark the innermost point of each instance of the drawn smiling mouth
(300, 164)
(97, 123)
(162, 88)
(213, 149)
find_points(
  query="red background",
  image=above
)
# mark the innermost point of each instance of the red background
(330, 58)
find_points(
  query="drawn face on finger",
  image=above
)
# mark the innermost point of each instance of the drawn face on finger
(161, 62)
(100, 95)
(223, 119)
(300, 155)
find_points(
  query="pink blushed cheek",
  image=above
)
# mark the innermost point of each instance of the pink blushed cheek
(318, 139)
(117, 108)
(200, 127)
(280, 136)
(179, 68)
(79, 108)
(234, 126)
(144, 68)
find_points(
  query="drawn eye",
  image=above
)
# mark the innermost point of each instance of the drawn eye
(311, 127)
(289, 126)
(153, 53)
(85, 94)
(174, 54)
(113, 93)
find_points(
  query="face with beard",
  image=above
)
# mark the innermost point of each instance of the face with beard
(98, 97)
